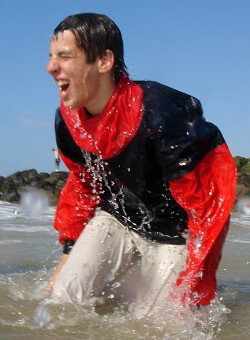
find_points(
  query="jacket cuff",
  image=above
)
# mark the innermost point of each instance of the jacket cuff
(68, 245)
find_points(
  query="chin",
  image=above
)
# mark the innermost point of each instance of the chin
(73, 105)
(69, 104)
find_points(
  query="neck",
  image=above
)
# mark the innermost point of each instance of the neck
(105, 90)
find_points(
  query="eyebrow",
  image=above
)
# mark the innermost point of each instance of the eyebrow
(62, 53)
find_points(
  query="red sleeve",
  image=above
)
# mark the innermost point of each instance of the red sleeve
(207, 195)
(77, 202)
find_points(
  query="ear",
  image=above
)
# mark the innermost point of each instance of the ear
(106, 63)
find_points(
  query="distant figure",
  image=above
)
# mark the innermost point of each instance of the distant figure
(57, 159)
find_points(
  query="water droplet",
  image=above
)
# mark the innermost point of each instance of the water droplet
(197, 242)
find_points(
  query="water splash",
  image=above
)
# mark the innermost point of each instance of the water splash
(34, 202)
(42, 315)
(243, 205)
(21, 292)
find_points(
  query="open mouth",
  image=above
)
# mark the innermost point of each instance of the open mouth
(63, 85)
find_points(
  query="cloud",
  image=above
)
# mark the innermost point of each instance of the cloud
(30, 121)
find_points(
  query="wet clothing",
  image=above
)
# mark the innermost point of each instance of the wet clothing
(152, 161)
(111, 261)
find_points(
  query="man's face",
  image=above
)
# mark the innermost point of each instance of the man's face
(77, 80)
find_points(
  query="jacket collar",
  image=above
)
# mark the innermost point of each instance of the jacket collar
(107, 134)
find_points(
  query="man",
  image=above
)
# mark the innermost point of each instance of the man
(145, 209)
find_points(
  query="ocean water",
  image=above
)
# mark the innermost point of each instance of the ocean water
(29, 252)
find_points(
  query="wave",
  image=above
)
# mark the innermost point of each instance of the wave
(10, 242)
(240, 241)
(14, 210)
(28, 229)
(240, 219)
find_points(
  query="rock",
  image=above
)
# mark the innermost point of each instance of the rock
(243, 182)
(12, 187)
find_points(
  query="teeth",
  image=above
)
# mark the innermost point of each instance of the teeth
(61, 83)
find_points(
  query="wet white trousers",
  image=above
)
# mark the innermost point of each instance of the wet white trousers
(109, 260)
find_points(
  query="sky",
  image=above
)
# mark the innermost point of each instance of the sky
(196, 46)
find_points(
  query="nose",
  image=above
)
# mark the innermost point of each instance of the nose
(52, 66)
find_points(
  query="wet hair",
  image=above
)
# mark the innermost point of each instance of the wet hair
(96, 33)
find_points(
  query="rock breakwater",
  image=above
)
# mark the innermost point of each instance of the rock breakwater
(12, 187)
